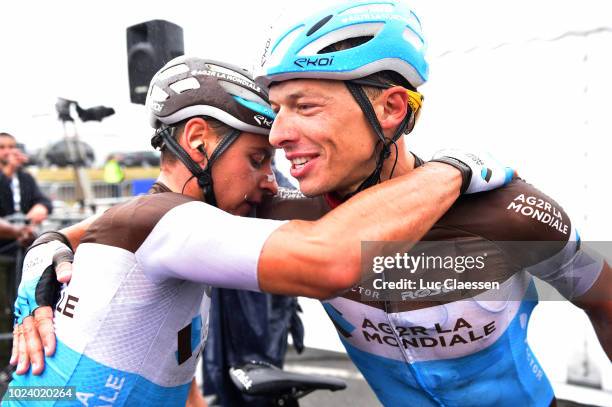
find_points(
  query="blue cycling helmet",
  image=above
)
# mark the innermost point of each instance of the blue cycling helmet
(385, 38)
(396, 44)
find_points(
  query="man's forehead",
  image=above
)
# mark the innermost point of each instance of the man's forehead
(7, 141)
(296, 88)
(259, 142)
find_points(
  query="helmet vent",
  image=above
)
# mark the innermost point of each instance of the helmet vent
(319, 46)
(414, 22)
(318, 25)
(413, 39)
(157, 94)
(185, 85)
(172, 71)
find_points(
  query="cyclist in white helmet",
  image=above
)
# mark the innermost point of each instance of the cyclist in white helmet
(131, 324)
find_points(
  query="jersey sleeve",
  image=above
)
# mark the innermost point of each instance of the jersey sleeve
(533, 232)
(201, 243)
(550, 247)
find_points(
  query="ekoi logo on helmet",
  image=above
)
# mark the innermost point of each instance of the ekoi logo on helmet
(263, 120)
(156, 106)
(319, 61)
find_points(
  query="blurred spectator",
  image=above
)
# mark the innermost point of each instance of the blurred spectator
(19, 194)
(113, 175)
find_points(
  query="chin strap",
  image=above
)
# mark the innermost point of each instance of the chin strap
(164, 137)
(366, 106)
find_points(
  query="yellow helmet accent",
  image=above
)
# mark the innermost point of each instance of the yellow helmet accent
(415, 99)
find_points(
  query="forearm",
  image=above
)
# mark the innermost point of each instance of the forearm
(324, 257)
(8, 231)
(75, 232)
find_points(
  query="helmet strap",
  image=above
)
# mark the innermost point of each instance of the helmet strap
(203, 175)
(366, 107)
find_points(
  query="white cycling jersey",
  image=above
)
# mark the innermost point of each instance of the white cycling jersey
(131, 325)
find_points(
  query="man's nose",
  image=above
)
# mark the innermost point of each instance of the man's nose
(282, 133)
(268, 183)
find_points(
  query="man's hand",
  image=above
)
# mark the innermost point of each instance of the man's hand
(37, 214)
(37, 293)
(480, 172)
(29, 338)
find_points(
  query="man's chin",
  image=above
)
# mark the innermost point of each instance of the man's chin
(313, 189)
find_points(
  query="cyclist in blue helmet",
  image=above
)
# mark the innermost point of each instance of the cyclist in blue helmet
(344, 84)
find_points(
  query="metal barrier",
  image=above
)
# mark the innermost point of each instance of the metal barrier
(67, 191)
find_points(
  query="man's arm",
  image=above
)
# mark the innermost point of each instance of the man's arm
(9, 231)
(322, 258)
(75, 232)
(597, 303)
(197, 242)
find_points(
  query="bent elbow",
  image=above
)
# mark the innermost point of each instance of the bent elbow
(340, 279)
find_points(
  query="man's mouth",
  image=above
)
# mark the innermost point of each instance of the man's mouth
(299, 162)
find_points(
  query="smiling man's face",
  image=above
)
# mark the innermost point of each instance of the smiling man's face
(323, 133)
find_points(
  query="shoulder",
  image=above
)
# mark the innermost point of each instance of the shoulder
(520, 220)
(127, 225)
(518, 211)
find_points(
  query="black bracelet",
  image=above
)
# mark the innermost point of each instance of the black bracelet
(466, 171)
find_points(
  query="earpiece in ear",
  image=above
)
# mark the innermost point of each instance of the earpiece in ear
(200, 148)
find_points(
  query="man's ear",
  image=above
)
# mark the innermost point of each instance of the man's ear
(197, 135)
(393, 107)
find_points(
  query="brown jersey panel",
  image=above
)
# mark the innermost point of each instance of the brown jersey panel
(291, 204)
(127, 225)
(512, 217)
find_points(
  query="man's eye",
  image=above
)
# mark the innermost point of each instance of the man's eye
(257, 161)
(304, 107)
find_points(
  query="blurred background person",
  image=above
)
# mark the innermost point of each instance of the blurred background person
(114, 175)
(23, 207)
(19, 192)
